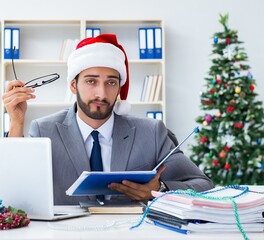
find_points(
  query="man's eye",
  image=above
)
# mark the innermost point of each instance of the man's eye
(90, 81)
(112, 83)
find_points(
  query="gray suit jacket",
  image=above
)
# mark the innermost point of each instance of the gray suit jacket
(138, 144)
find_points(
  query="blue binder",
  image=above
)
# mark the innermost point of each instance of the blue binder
(159, 115)
(158, 42)
(142, 39)
(150, 42)
(96, 32)
(16, 42)
(8, 43)
(92, 32)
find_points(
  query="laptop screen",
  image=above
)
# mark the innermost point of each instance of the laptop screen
(26, 175)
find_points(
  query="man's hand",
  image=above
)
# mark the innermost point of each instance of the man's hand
(15, 101)
(136, 191)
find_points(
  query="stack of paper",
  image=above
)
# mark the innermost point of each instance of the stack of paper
(222, 209)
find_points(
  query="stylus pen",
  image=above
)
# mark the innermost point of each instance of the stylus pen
(176, 148)
(99, 201)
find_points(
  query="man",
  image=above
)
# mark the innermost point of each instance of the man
(98, 74)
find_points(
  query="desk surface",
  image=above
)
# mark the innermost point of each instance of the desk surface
(116, 227)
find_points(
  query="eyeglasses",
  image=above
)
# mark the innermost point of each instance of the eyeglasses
(39, 81)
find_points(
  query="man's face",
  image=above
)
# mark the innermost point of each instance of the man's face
(97, 89)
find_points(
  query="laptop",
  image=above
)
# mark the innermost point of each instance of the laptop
(26, 180)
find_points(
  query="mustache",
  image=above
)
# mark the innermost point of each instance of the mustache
(98, 100)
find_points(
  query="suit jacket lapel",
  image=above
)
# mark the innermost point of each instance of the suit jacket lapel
(123, 138)
(73, 141)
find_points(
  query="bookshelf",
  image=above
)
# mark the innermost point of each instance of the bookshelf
(40, 50)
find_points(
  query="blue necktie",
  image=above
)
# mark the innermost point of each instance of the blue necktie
(96, 159)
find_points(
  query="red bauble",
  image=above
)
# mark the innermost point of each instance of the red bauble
(203, 139)
(238, 125)
(252, 87)
(215, 163)
(227, 166)
(230, 109)
(227, 148)
(228, 40)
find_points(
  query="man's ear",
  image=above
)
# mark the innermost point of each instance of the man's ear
(73, 86)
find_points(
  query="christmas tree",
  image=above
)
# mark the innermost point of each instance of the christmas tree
(229, 146)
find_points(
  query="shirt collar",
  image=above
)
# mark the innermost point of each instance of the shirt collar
(105, 130)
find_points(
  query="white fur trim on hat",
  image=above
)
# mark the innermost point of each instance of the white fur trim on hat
(97, 55)
(122, 107)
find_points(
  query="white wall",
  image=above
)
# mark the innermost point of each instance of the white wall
(189, 26)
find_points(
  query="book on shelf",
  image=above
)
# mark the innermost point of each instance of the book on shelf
(144, 88)
(114, 207)
(157, 94)
(67, 48)
(151, 88)
(148, 88)
(211, 211)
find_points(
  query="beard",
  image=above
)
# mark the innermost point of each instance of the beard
(98, 114)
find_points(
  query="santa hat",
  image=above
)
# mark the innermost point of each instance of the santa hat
(102, 51)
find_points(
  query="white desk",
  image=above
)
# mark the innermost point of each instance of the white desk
(84, 228)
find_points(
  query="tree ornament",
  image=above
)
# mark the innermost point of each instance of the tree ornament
(227, 86)
(259, 141)
(238, 125)
(212, 91)
(252, 87)
(222, 154)
(218, 81)
(215, 39)
(239, 56)
(215, 162)
(208, 118)
(237, 90)
(208, 102)
(205, 123)
(228, 40)
(210, 146)
(227, 166)
(230, 109)
(213, 81)
(261, 166)
(242, 94)
(249, 76)
(210, 154)
(226, 148)
(239, 173)
(219, 114)
(232, 103)
(215, 94)
(229, 52)
(203, 139)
